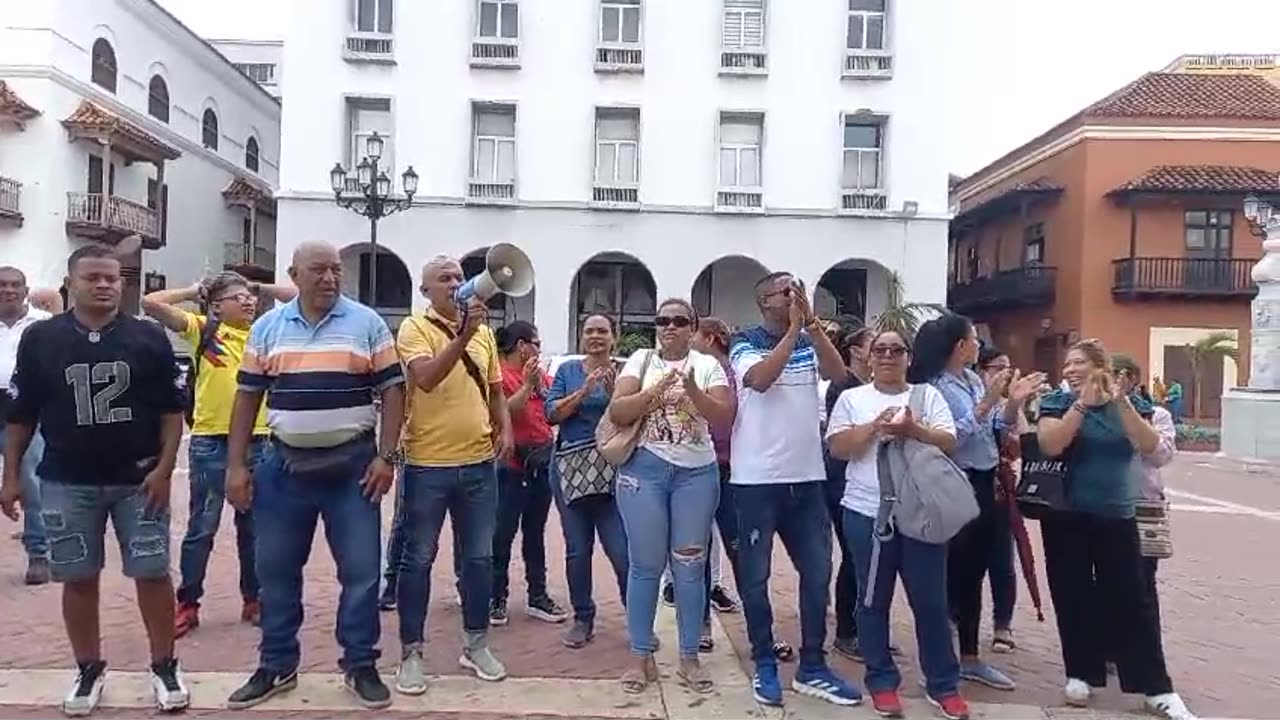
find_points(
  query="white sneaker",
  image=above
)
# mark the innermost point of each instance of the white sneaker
(86, 691)
(1168, 705)
(169, 686)
(1077, 692)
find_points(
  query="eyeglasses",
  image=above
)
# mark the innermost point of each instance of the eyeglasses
(678, 321)
(238, 297)
(891, 351)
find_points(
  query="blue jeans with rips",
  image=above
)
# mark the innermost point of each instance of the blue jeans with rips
(469, 494)
(207, 467)
(581, 521)
(34, 538)
(286, 511)
(923, 567)
(667, 510)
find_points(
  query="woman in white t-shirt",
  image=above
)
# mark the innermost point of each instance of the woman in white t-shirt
(862, 418)
(668, 491)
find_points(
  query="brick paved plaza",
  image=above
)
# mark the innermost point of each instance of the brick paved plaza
(1220, 596)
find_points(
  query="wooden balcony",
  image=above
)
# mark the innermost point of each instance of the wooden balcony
(110, 219)
(1160, 278)
(1028, 286)
(11, 200)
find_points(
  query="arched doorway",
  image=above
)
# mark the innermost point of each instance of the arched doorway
(856, 289)
(394, 283)
(726, 289)
(502, 308)
(621, 287)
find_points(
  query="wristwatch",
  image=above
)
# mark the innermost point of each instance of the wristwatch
(394, 458)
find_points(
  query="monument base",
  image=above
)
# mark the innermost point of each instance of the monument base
(1251, 424)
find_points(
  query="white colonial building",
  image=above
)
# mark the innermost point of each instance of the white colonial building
(635, 149)
(115, 120)
(258, 59)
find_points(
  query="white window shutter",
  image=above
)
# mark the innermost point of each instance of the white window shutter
(753, 29)
(743, 23)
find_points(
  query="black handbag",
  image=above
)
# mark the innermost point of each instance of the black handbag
(328, 464)
(1043, 486)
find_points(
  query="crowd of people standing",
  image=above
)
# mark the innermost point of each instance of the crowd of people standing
(311, 412)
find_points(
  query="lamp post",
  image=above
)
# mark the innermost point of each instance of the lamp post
(372, 198)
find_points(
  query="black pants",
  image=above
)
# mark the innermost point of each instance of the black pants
(727, 521)
(968, 558)
(524, 501)
(846, 582)
(1104, 599)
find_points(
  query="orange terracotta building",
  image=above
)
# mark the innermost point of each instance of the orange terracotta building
(1124, 223)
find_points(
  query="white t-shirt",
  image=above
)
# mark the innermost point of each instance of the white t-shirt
(777, 435)
(10, 335)
(861, 405)
(676, 432)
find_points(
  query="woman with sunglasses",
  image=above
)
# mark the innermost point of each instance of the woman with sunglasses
(577, 400)
(1091, 551)
(668, 490)
(863, 418)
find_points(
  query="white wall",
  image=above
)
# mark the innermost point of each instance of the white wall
(256, 51)
(44, 56)
(680, 94)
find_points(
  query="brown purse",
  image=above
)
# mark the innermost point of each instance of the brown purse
(616, 442)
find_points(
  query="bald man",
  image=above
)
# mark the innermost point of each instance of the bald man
(318, 359)
(47, 299)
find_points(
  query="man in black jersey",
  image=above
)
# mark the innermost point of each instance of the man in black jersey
(103, 388)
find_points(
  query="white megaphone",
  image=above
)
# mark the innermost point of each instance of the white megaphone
(507, 270)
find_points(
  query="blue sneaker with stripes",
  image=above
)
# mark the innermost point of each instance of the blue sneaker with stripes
(822, 683)
(765, 686)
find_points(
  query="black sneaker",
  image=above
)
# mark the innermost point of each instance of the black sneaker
(722, 601)
(263, 685)
(669, 595)
(848, 647)
(368, 687)
(547, 610)
(86, 691)
(498, 613)
(169, 686)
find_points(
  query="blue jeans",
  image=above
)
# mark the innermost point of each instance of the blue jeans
(667, 511)
(75, 517)
(581, 521)
(923, 567)
(524, 501)
(395, 542)
(285, 511)
(1004, 580)
(797, 512)
(34, 539)
(207, 468)
(469, 494)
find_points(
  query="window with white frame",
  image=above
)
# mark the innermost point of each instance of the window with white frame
(493, 152)
(365, 116)
(867, 20)
(373, 16)
(617, 146)
(743, 24)
(863, 147)
(740, 144)
(620, 21)
(499, 19)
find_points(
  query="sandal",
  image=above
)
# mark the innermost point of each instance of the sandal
(706, 644)
(783, 651)
(695, 678)
(1002, 642)
(635, 682)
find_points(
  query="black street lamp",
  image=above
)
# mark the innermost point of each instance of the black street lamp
(372, 198)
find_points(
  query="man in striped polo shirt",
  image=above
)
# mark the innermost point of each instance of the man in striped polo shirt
(319, 359)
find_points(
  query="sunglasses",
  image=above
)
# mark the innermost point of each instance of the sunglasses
(238, 297)
(891, 351)
(679, 321)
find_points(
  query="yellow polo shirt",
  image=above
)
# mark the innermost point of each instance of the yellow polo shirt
(448, 426)
(216, 381)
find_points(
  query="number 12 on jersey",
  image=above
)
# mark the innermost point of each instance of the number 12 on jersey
(95, 408)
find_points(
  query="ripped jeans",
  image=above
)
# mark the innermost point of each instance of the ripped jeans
(75, 518)
(667, 511)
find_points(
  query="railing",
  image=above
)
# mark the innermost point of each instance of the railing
(868, 64)
(489, 192)
(236, 252)
(864, 200)
(120, 215)
(616, 196)
(370, 47)
(743, 61)
(740, 200)
(495, 52)
(1027, 286)
(10, 197)
(1183, 277)
(620, 58)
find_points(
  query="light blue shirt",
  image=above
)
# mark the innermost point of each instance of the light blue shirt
(976, 446)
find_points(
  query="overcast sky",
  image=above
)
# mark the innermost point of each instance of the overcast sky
(1019, 66)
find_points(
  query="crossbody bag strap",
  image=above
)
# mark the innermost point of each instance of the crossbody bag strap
(472, 369)
(207, 335)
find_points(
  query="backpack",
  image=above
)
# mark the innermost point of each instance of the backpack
(923, 494)
(207, 336)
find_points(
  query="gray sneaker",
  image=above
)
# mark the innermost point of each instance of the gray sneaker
(579, 635)
(981, 672)
(411, 679)
(477, 658)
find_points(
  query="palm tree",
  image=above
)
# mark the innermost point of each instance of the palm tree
(1209, 349)
(903, 317)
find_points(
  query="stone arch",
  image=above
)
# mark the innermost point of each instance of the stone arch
(394, 281)
(618, 285)
(726, 289)
(502, 308)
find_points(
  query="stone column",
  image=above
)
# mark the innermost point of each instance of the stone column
(1264, 355)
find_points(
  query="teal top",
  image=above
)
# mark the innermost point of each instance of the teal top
(1099, 460)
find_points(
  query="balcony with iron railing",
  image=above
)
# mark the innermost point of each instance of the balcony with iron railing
(744, 61)
(110, 219)
(491, 192)
(369, 47)
(1155, 278)
(1027, 286)
(10, 200)
(619, 58)
(740, 200)
(868, 64)
(495, 52)
(616, 197)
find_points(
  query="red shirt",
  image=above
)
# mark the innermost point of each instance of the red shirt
(529, 425)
